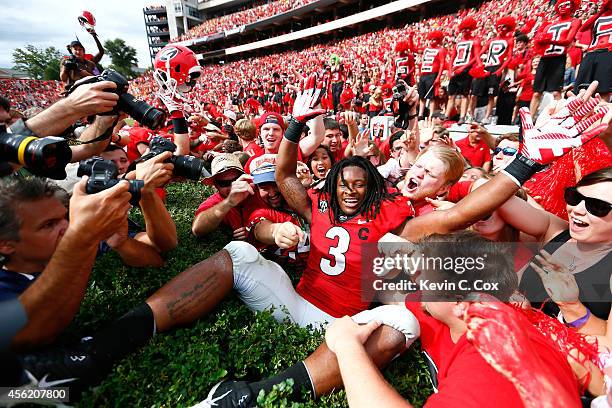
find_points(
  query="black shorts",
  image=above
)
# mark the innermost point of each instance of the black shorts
(488, 86)
(460, 84)
(426, 85)
(549, 75)
(596, 65)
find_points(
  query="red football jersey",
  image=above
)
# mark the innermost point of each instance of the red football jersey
(332, 278)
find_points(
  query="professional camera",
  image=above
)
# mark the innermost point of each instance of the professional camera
(71, 63)
(45, 157)
(103, 174)
(184, 166)
(399, 91)
(141, 111)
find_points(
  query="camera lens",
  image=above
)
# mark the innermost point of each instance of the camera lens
(187, 166)
(45, 157)
(141, 111)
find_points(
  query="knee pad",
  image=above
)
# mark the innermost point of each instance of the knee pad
(241, 252)
(397, 317)
(244, 257)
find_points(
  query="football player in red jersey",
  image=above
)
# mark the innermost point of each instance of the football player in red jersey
(552, 41)
(597, 62)
(433, 64)
(498, 55)
(465, 54)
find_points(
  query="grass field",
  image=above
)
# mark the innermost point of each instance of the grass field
(178, 368)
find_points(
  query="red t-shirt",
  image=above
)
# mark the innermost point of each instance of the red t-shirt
(333, 277)
(465, 379)
(499, 50)
(258, 159)
(459, 190)
(476, 155)
(433, 60)
(138, 135)
(253, 149)
(296, 254)
(236, 217)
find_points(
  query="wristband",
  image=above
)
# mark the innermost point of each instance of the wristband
(294, 130)
(180, 125)
(576, 324)
(20, 128)
(521, 169)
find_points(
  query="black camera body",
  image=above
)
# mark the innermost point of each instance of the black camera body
(103, 174)
(399, 91)
(184, 166)
(45, 157)
(141, 111)
(71, 63)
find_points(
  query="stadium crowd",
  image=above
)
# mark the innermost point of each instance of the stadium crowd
(249, 14)
(317, 157)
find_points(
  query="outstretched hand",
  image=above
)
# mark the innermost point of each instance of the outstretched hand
(307, 102)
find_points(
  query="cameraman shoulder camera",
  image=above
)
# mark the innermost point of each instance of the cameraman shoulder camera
(77, 65)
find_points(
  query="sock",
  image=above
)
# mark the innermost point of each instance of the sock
(124, 336)
(297, 372)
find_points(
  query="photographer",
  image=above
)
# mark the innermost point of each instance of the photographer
(46, 259)
(80, 65)
(5, 107)
(143, 248)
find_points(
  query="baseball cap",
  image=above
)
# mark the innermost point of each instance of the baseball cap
(76, 43)
(230, 115)
(264, 174)
(272, 117)
(224, 162)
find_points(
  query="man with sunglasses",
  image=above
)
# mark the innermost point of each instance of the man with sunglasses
(231, 205)
(506, 147)
(475, 150)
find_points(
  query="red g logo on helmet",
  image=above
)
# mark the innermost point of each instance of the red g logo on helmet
(176, 68)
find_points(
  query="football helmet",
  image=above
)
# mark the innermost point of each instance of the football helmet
(176, 70)
(87, 21)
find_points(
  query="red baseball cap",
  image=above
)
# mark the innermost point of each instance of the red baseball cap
(272, 117)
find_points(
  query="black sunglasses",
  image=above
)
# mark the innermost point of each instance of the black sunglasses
(508, 151)
(595, 206)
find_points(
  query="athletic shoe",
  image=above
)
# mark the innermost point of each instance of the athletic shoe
(229, 394)
(62, 367)
(461, 121)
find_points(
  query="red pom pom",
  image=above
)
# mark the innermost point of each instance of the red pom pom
(478, 71)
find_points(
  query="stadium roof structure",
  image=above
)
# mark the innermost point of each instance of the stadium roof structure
(262, 25)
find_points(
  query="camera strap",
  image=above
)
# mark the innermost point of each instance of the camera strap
(104, 136)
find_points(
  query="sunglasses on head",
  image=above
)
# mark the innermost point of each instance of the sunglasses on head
(595, 206)
(508, 151)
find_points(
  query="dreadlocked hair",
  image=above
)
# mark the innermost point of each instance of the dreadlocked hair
(376, 191)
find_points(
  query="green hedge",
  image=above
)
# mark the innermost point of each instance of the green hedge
(178, 368)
